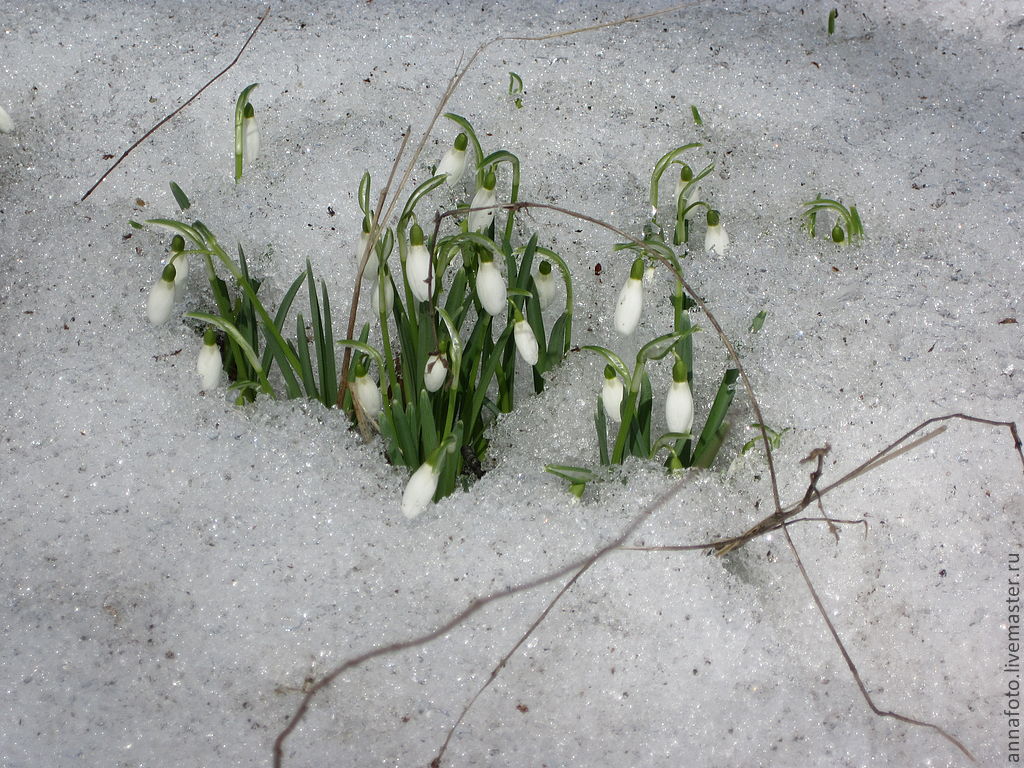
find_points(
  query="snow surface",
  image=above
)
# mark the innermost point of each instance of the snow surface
(175, 567)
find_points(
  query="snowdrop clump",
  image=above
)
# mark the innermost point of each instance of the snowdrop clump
(452, 314)
(627, 394)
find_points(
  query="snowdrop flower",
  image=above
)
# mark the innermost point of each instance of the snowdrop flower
(611, 394)
(435, 371)
(545, 282)
(490, 286)
(209, 362)
(631, 300)
(453, 164)
(716, 238)
(180, 262)
(6, 124)
(479, 221)
(418, 267)
(420, 489)
(366, 392)
(161, 297)
(372, 262)
(679, 402)
(383, 286)
(250, 135)
(526, 342)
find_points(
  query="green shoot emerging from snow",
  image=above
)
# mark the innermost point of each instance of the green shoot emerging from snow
(847, 227)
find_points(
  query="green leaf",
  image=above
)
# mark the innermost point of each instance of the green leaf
(659, 169)
(601, 422)
(758, 322)
(713, 434)
(614, 360)
(180, 197)
(302, 345)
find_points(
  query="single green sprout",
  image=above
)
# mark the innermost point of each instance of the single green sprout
(832, 20)
(515, 88)
(245, 138)
(851, 229)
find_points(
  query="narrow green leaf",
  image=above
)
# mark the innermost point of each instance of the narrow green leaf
(302, 346)
(714, 428)
(601, 422)
(180, 197)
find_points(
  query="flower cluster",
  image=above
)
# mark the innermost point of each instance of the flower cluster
(452, 317)
(626, 402)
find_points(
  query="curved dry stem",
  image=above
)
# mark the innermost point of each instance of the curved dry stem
(853, 667)
(436, 762)
(474, 607)
(192, 98)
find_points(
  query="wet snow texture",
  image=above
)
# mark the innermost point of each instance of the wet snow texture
(174, 568)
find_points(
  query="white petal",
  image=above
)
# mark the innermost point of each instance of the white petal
(250, 139)
(545, 288)
(435, 372)
(611, 398)
(491, 288)
(180, 275)
(481, 220)
(627, 311)
(372, 262)
(209, 365)
(389, 297)
(6, 124)
(417, 271)
(368, 394)
(161, 301)
(679, 407)
(454, 164)
(419, 490)
(716, 239)
(526, 342)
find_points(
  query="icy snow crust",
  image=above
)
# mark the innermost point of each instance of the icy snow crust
(174, 567)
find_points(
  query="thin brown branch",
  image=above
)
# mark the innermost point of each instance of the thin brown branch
(192, 98)
(474, 607)
(853, 667)
(436, 762)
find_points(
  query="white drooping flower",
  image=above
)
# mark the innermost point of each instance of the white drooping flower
(6, 124)
(679, 401)
(367, 393)
(490, 286)
(545, 282)
(372, 262)
(250, 135)
(209, 363)
(716, 238)
(631, 300)
(420, 489)
(453, 164)
(485, 196)
(161, 297)
(382, 286)
(418, 266)
(611, 394)
(526, 342)
(435, 371)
